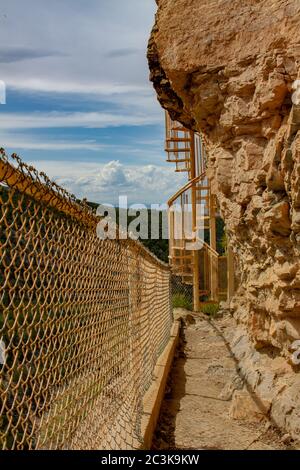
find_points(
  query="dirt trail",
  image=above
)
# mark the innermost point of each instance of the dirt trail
(197, 409)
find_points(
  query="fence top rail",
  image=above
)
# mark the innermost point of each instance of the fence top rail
(27, 180)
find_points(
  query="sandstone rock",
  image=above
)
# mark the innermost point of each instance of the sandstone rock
(295, 226)
(292, 328)
(271, 125)
(286, 271)
(277, 219)
(235, 84)
(286, 439)
(271, 96)
(243, 407)
(290, 303)
(224, 171)
(235, 383)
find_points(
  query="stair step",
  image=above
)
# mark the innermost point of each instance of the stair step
(186, 149)
(181, 262)
(182, 273)
(179, 160)
(179, 128)
(186, 266)
(178, 139)
(183, 248)
(187, 281)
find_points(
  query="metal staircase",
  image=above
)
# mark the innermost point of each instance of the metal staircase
(192, 216)
(182, 146)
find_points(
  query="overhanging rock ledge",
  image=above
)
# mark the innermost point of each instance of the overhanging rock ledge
(227, 69)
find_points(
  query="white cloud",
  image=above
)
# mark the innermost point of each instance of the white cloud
(47, 85)
(16, 143)
(104, 183)
(92, 120)
(97, 50)
(74, 46)
(98, 53)
(22, 141)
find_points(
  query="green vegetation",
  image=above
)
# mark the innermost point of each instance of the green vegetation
(223, 243)
(180, 301)
(221, 236)
(210, 309)
(160, 246)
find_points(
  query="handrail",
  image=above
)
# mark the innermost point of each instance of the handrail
(214, 252)
(208, 247)
(186, 187)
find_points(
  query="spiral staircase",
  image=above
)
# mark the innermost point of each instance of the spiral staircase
(193, 213)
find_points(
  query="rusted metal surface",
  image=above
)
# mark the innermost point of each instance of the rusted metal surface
(82, 320)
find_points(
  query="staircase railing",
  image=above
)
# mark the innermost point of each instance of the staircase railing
(185, 148)
(193, 218)
(190, 254)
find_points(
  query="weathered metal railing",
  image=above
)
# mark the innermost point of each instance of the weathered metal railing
(185, 148)
(192, 218)
(191, 212)
(82, 321)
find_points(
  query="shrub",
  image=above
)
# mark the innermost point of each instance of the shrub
(210, 309)
(181, 301)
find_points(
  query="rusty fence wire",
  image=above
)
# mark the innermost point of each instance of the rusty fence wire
(181, 293)
(82, 321)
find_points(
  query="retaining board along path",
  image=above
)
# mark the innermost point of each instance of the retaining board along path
(206, 404)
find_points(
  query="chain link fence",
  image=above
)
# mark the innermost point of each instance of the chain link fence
(82, 321)
(182, 293)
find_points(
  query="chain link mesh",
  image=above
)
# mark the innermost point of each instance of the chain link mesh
(182, 293)
(83, 321)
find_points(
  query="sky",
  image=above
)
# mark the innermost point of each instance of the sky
(79, 104)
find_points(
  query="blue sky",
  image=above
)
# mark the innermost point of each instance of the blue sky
(79, 103)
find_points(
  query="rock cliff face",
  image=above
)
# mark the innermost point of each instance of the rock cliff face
(227, 68)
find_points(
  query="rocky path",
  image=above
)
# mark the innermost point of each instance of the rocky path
(205, 405)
